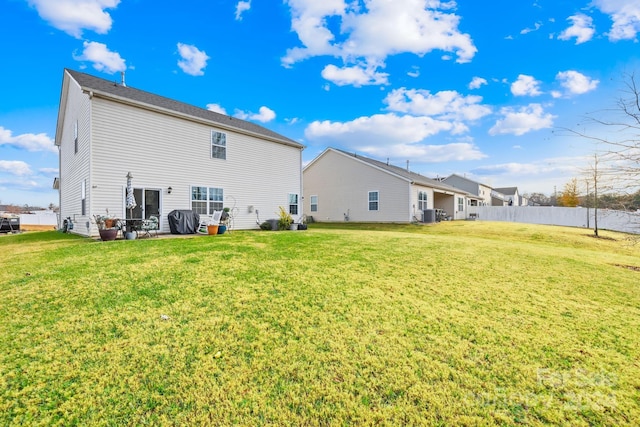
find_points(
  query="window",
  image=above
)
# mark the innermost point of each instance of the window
(373, 200)
(75, 137)
(205, 200)
(460, 204)
(218, 145)
(314, 203)
(293, 204)
(83, 197)
(422, 200)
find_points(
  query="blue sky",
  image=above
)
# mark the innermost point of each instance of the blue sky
(468, 87)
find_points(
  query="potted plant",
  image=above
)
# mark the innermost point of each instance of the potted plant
(285, 220)
(224, 221)
(302, 225)
(106, 226)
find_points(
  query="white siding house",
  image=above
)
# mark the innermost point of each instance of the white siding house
(340, 186)
(482, 191)
(180, 157)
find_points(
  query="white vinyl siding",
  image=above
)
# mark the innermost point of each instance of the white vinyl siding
(256, 172)
(74, 165)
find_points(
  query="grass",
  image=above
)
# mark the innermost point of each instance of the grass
(462, 323)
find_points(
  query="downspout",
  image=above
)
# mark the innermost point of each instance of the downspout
(301, 189)
(411, 205)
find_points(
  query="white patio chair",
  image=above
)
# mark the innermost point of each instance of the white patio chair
(206, 220)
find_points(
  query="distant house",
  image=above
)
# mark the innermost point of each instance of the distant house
(180, 157)
(511, 195)
(482, 191)
(341, 186)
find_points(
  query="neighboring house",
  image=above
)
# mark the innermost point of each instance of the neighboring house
(511, 195)
(482, 191)
(180, 157)
(498, 199)
(340, 186)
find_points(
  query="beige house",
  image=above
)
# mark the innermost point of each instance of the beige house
(341, 186)
(180, 157)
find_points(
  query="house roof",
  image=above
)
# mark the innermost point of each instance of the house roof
(115, 91)
(467, 179)
(507, 191)
(415, 178)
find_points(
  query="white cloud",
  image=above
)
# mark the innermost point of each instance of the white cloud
(357, 75)
(447, 105)
(525, 85)
(477, 82)
(576, 83)
(194, 61)
(242, 7)
(15, 167)
(368, 33)
(536, 27)
(27, 141)
(415, 72)
(582, 29)
(103, 59)
(216, 108)
(518, 122)
(422, 153)
(379, 129)
(625, 15)
(264, 115)
(74, 16)
(49, 171)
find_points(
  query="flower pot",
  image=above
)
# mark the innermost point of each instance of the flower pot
(108, 234)
(130, 235)
(222, 229)
(212, 229)
(109, 223)
(302, 226)
(293, 226)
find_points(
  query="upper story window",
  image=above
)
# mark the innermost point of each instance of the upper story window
(374, 198)
(422, 200)
(314, 203)
(75, 137)
(218, 145)
(293, 204)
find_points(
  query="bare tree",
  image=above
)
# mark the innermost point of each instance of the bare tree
(616, 134)
(618, 148)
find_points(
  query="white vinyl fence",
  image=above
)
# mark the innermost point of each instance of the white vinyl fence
(628, 222)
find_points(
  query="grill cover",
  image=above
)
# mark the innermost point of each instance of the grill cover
(183, 221)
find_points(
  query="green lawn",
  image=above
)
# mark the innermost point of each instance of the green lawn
(461, 323)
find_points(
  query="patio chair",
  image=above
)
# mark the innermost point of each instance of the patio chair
(205, 220)
(149, 225)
